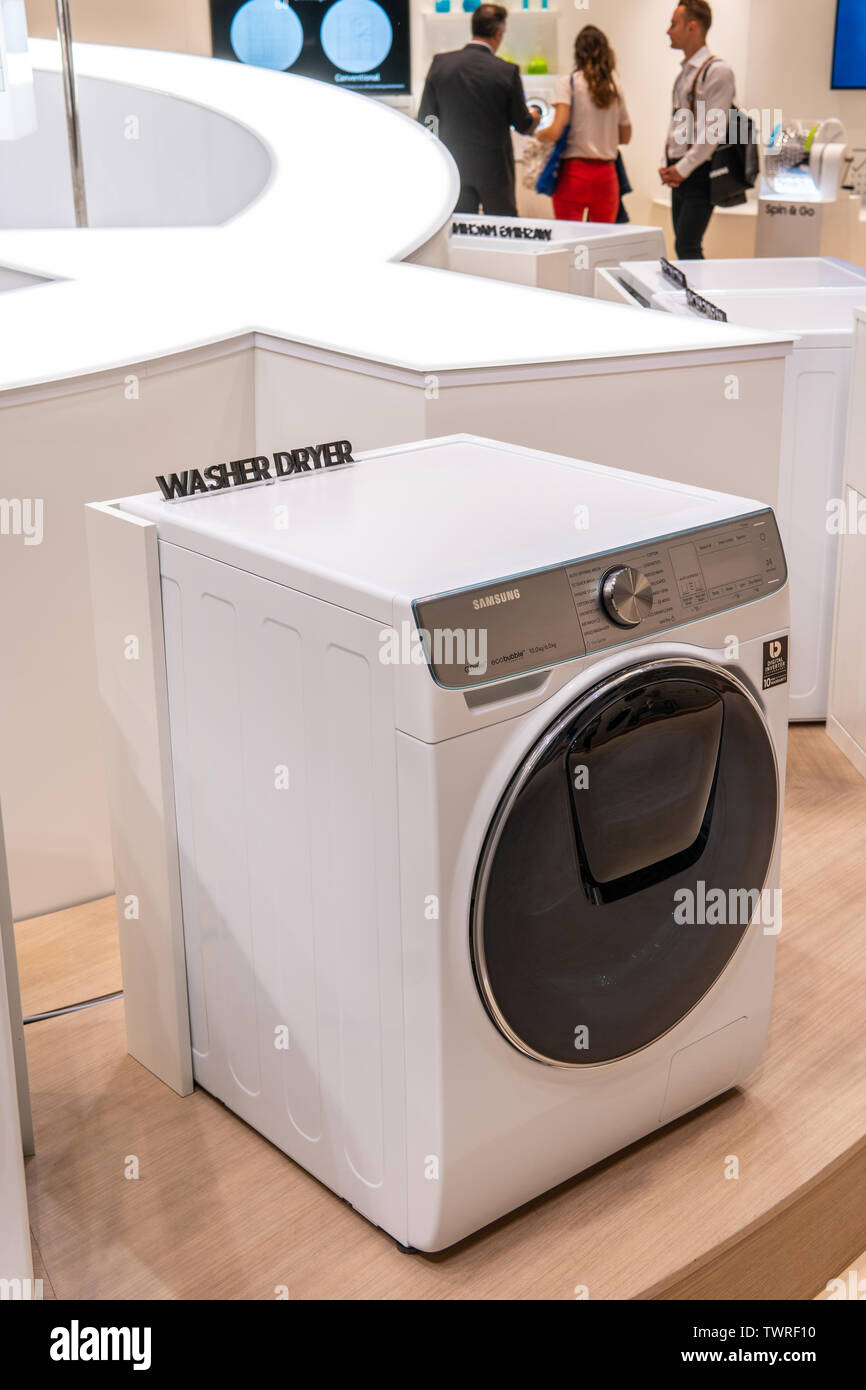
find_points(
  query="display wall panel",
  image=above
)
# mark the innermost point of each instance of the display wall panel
(113, 441)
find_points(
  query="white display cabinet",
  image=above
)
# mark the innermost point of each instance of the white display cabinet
(813, 446)
(846, 720)
(529, 251)
(528, 33)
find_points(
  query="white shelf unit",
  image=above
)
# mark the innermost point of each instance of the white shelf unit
(527, 31)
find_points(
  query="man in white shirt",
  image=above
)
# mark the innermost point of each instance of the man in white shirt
(703, 93)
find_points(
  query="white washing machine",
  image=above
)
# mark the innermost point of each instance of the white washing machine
(816, 299)
(445, 901)
(547, 252)
(637, 280)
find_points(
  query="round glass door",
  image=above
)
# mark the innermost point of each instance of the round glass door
(625, 863)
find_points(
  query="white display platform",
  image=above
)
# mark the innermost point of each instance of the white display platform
(846, 720)
(522, 249)
(11, 279)
(157, 161)
(163, 349)
(813, 446)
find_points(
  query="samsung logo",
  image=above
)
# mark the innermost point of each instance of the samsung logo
(491, 600)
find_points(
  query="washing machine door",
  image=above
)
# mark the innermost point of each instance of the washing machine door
(625, 862)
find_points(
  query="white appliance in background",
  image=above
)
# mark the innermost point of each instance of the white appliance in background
(803, 208)
(815, 299)
(846, 718)
(813, 450)
(545, 252)
(636, 282)
(447, 879)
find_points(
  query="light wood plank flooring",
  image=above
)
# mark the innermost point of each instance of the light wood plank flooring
(66, 957)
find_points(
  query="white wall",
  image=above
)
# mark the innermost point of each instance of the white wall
(790, 59)
(183, 26)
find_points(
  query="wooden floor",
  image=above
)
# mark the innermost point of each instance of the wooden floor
(67, 957)
(216, 1212)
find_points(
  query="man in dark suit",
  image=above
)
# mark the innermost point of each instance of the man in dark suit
(471, 100)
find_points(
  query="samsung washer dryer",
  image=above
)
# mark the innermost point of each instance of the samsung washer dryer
(477, 758)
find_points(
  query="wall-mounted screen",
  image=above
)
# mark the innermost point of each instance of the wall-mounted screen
(849, 49)
(359, 44)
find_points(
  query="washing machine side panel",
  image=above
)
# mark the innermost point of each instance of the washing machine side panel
(604, 253)
(510, 1128)
(283, 748)
(425, 899)
(511, 266)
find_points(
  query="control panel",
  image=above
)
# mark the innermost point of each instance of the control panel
(512, 626)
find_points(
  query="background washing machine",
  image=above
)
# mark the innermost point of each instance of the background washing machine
(815, 299)
(546, 252)
(813, 453)
(638, 280)
(429, 892)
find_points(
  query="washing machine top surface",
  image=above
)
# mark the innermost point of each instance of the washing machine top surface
(550, 558)
(824, 319)
(529, 231)
(782, 273)
(429, 518)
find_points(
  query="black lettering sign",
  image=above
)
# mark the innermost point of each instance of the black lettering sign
(255, 469)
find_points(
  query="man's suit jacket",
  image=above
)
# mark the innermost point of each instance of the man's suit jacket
(476, 98)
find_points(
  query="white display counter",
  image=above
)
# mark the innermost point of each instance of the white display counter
(164, 349)
(846, 720)
(545, 252)
(813, 445)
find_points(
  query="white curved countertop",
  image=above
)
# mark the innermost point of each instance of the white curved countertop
(311, 259)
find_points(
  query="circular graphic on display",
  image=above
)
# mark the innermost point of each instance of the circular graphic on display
(267, 34)
(356, 35)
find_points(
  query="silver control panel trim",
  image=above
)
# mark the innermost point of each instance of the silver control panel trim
(542, 618)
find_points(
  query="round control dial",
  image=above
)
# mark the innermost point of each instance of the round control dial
(626, 596)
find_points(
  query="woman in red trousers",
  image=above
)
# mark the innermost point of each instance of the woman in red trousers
(591, 102)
